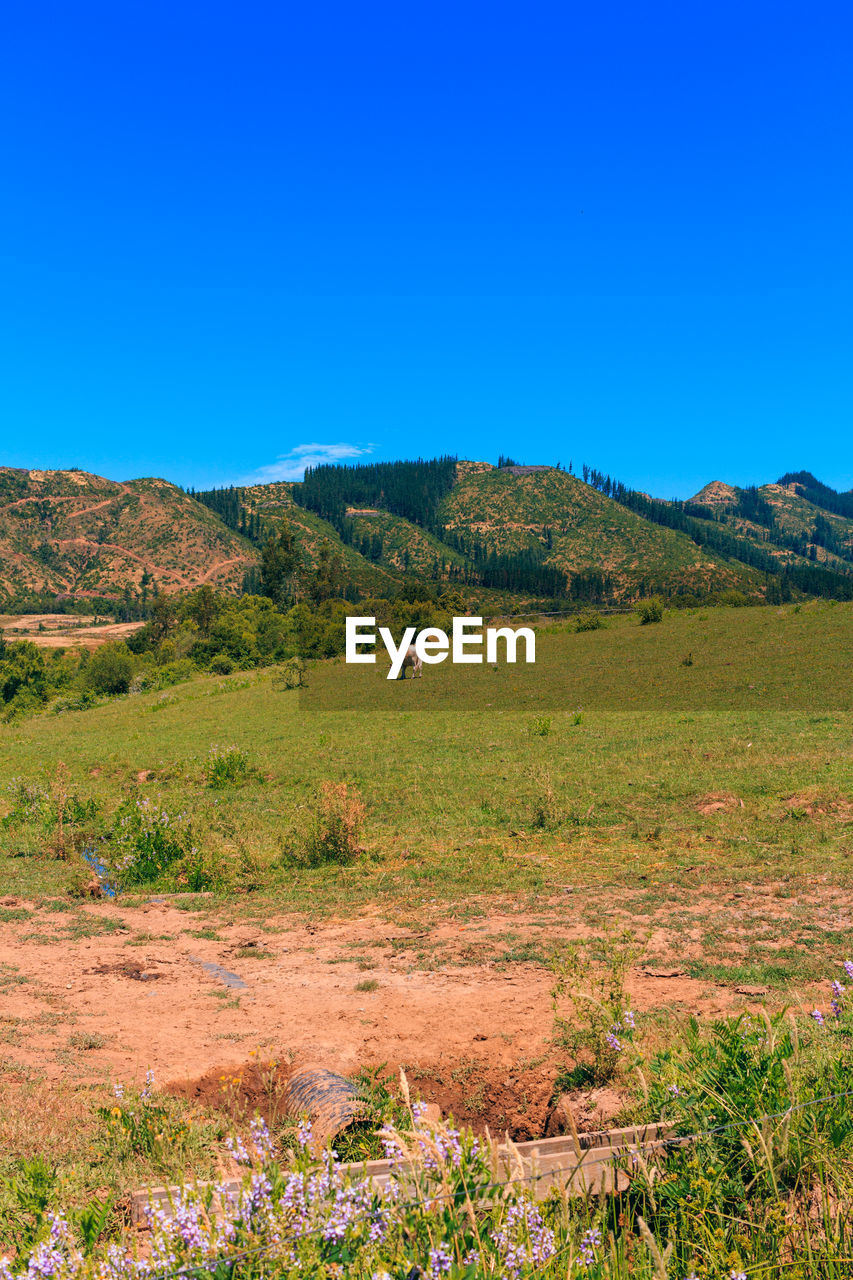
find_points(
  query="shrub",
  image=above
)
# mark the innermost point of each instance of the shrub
(110, 669)
(175, 673)
(221, 664)
(23, 674)
(540, 727)
(650, 611)
(334, 826)
(147, 841)
(227, 767)
(290, 675)
(589, 620)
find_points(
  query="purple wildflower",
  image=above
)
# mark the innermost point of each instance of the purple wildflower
(440, 1261)
(238, 1151)
(612, 1042)
(821, 1022)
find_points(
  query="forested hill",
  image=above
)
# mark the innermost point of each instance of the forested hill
(524, 535)
(543, 532)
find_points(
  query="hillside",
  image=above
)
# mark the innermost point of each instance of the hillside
(274, 503)
(72, 533)
(780, 519)
(519, 534)
(580, 531)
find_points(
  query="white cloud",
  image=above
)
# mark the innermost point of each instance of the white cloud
(291, 465)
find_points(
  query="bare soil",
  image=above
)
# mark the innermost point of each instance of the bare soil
(61, 630)
(474, 1035)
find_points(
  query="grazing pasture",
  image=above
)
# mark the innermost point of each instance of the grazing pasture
(402, 880)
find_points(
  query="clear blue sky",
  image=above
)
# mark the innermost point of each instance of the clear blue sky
(236, 236)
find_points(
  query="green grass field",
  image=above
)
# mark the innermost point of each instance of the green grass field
(706, 807)
(737, 766)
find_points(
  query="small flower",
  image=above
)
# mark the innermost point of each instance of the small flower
(675, 1091)
(848, 968)
(440, 1261)
(612, 1042)
(838, 990)
(819, 1019)
(628, 1019)
(738, 1275)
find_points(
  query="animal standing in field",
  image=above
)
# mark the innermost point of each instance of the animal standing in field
(411, 660)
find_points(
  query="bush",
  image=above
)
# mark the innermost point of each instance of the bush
(110, 669)
(147, 841)
(175, 673)
(290, 675)
(23, 675)
(589, 620)
(650, 611)
(227, 766)
(221, 665)
(334, 827)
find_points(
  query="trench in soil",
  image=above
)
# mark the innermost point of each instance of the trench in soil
(476, 1093)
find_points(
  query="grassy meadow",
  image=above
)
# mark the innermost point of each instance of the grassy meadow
(734, 766)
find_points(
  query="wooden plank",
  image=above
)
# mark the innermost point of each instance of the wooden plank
(543, 1163)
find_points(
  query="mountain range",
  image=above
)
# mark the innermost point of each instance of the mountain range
(532, 532)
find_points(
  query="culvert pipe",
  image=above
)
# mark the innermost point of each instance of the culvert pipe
(329, 1101)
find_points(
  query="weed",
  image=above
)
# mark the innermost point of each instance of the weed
(149, 842)
(227, 767)
(367, 984)
(599, 1024)
(139, 1124)
(334, 826)
(540, 727)
(546, 811)
(85, 1040)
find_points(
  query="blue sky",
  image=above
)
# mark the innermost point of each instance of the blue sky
(234, 238)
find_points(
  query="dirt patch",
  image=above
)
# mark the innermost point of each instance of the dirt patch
(477, 1092)
(718, 802)
(812, 806)
(244, 1089)
(59, 630)
(465, 1004)
(483, 1094)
